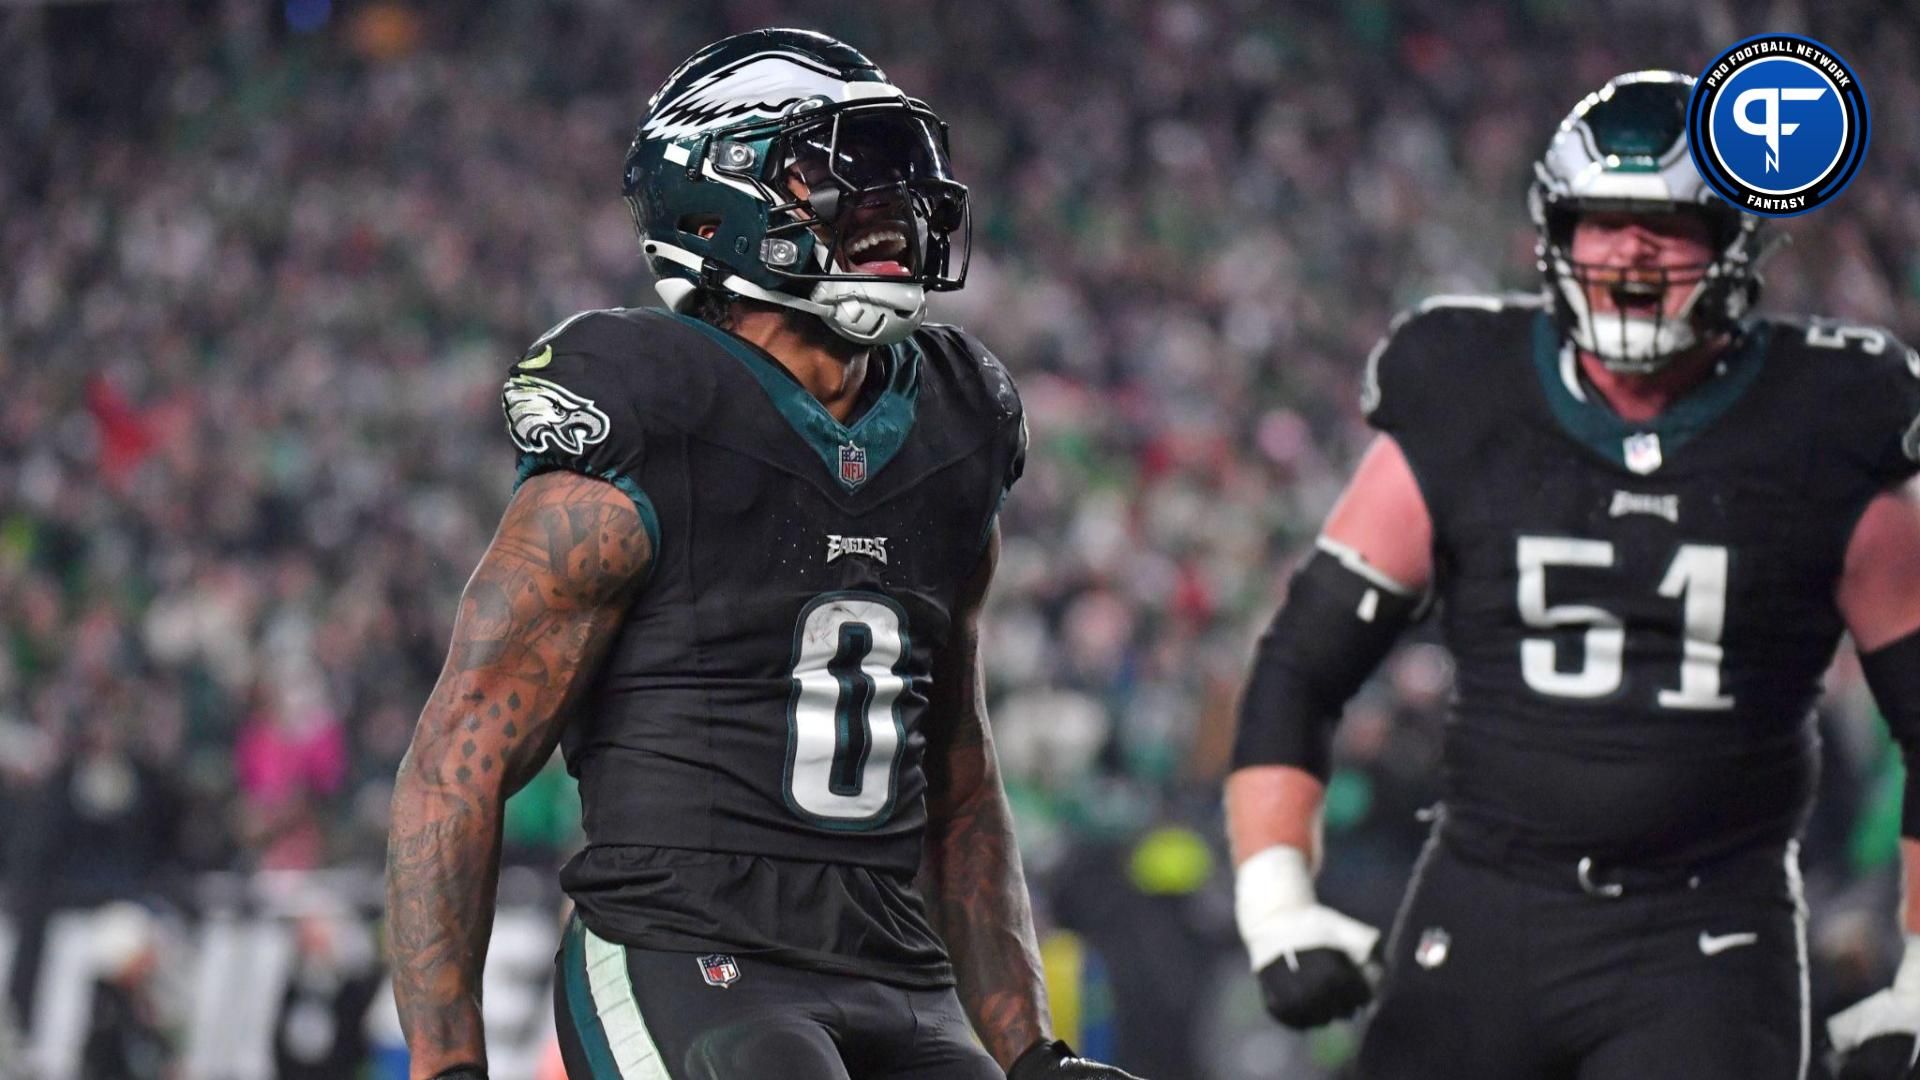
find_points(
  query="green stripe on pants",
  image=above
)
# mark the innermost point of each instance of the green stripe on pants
(605, 1014)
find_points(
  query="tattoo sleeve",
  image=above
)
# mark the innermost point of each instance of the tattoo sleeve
(971, 871)
(534, 622)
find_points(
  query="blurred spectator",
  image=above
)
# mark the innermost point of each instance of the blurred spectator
(13, 1045)
(126, 1036)
(320, 1033)
(101, 827)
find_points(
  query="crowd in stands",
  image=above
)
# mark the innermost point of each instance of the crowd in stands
(264, 266)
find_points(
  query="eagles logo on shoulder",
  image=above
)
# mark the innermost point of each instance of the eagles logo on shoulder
(544, 416)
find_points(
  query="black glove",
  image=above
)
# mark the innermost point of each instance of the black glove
(1883, 1057)
(1313, 962)
(1314, 987)
(1055, 1061)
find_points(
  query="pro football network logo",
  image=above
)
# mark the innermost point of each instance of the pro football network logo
(719, 969)
(1778, 124)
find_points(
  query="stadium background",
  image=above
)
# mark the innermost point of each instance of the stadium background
(262, 267)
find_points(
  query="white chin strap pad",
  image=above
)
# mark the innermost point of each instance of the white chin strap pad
(1623, 342)
(872, 312)
(676, 293)
(1633, 342)
(868, 312)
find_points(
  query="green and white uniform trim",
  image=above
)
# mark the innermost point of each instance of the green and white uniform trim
(1602, 430)
(605, 1013)
(881, 431)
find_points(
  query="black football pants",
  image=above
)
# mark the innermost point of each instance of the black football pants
(639, 1014)
(1512, 971)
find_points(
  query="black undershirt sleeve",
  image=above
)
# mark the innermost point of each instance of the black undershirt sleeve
(1337, 624)
(1893, 674)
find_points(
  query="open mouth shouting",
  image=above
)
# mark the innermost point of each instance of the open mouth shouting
(1636, 295)
(1639, 292)
(878, 247)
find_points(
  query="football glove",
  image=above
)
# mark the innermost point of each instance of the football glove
(1876, 1037)
(1056, 1061)
(1314, 964)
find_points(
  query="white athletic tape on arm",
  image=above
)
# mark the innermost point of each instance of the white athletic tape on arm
(1895, 1010)
(1274, 905)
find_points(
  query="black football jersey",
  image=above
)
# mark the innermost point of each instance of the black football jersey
(750, 756)
(1640, 614)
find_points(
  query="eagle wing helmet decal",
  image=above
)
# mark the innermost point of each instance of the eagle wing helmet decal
(545, 416)
(760, 85)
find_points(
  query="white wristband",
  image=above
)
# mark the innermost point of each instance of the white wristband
(1906, 979)
(1273, 904)
(1893, 1011)
(1272, 880)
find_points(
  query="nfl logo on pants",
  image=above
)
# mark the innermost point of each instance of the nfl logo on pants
(719, 970)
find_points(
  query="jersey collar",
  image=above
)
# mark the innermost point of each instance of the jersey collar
(853, 453)
(1604, 431)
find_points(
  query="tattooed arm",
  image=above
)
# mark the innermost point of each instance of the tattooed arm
(971, 871)
(534, 622)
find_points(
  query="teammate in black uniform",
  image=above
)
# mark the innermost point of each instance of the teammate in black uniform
(1646, 518)
(739, 584)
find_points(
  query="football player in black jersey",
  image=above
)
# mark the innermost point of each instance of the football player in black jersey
(739, 584)
(1646, 518)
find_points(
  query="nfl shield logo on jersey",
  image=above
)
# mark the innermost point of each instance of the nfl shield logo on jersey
(1642, 452)
(719, 970)
(853, 465)
(1433, 948)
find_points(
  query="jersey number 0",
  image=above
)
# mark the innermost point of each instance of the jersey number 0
(843, 731)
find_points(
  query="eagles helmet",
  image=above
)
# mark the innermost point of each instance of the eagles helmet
(1624, 149)
(822, 187)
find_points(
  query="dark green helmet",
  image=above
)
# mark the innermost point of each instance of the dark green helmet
(781, 165)
(1623, 149)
